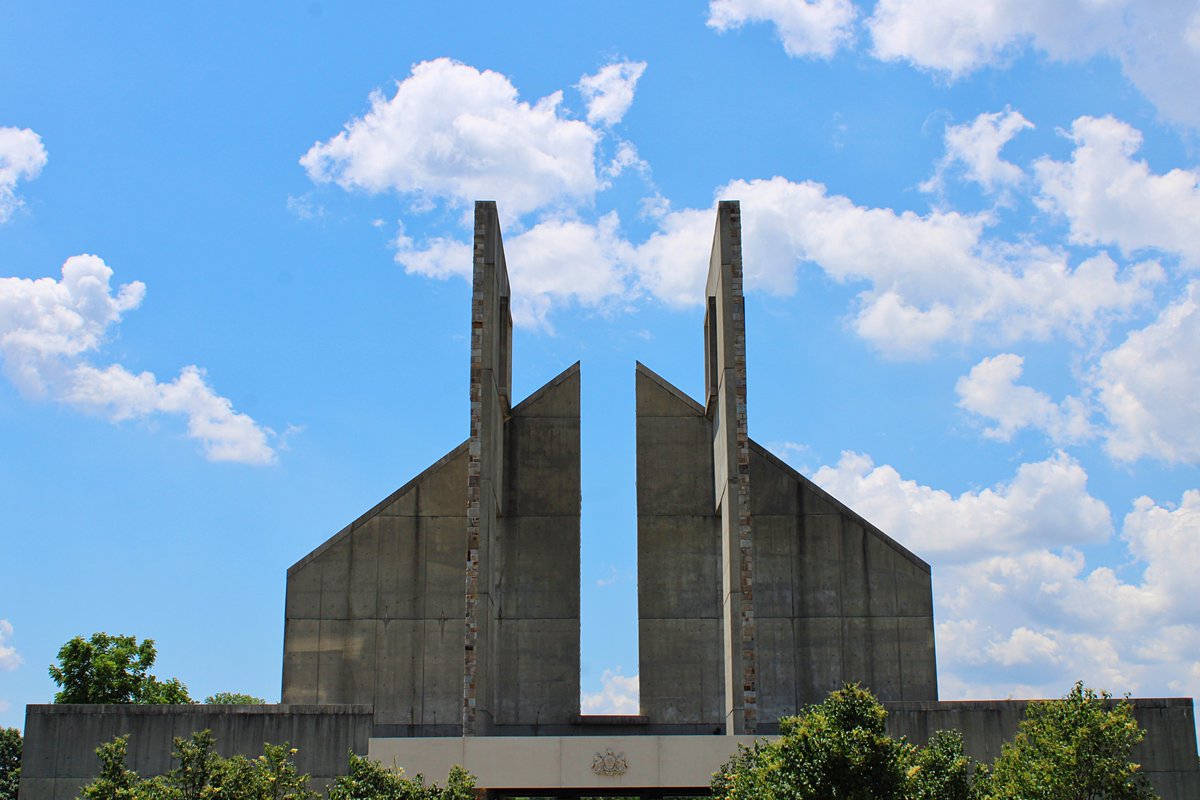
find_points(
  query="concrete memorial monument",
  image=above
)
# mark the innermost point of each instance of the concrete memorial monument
(442, 626)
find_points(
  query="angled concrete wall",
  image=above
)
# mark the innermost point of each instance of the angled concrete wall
(375, 615)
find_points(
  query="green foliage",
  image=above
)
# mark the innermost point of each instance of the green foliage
(837, 749)
(940, 770)
(234, 699)
(1070, 749)
(115, 781)
(202, 774)
(112, 669)
(10, 763)
(370, 780)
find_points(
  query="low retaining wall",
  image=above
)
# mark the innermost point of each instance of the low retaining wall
(60, 740)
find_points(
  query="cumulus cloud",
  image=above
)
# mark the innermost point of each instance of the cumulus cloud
(1108, 197)
(49, 327)
(22, 157)
(609, 93)
(1154, 42)
(976, 147)
(10, 659)
(453, 133)
(807, 28)
(931, 277)
(991, 390)
(1045, 500)
(618, 695)
(1149, 387)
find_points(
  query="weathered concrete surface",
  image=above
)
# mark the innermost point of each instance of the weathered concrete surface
(61, 740)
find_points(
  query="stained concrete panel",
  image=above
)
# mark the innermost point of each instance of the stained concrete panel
(540, 452)
(674, 466)
(679, 560)
(819, 655)
(541, 558)
(681, 676)
(537, 671)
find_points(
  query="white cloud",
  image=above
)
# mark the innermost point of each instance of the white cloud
(47, 329)
(807, 29)
(1149, 387)
(10, 659)
(1045, 501)
(990, 390)
(454, 133)
(22, 157)
(1107, 197)
(609, 93)
(618, 695)
(1154, 42)
(976, 146)
(931, 277)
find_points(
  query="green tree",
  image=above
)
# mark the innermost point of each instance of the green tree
(112, 669)
(837, 749)
(10, 763)
(941, 770)
(115, 781)
(1070, 749)
(370, 780)
(234, 699)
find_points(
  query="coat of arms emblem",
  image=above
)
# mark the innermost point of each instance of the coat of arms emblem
(609, 763)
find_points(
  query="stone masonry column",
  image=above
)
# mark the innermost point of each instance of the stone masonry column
(491, 379)
(725, 368)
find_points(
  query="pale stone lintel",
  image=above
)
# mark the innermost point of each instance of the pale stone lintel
(563, 762)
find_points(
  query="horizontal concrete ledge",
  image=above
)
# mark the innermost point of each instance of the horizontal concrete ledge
(611, 719)
(142, 710)
(565, 762)
(1000, 705)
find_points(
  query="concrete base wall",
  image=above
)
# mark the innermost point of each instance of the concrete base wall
(60, 740)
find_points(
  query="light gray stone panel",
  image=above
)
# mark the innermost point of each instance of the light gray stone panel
(365, 558)
(918, 663)
(775, 585)
(856, 596)
(872, 655)
(679, 562)
(681, 679)
(880, 564)
(444, 568)
(654, 399)
(819, 567)
(302, 643)
(540, 574)
(674, 466)
(402, 567)
(772, 490)
(777, 669)
(819, 658)
(335, 580)
(914, 589)
(442, 672)
(304, 592)
(537, 670)
(401, 666)
(542, 468)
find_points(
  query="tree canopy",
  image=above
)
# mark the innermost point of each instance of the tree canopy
(234, 699)
(112, 669)
(10, 763)
(203, 774)
(1075, 748)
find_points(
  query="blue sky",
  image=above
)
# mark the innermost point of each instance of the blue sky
(234, 314)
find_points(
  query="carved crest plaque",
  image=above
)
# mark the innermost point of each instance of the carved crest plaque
(609, 763)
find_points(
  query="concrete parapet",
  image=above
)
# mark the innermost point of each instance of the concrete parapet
(61, 740)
